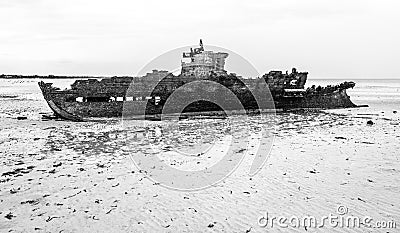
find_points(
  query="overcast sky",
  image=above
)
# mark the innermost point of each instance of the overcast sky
(328, 38)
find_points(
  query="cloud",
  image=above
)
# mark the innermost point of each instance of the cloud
(273, 33)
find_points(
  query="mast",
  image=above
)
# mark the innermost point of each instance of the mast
(201, 45)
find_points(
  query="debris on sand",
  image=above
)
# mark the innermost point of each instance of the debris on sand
(313, 171)
(57, 164)
(4, 96)
(9, 216)
(370, 143)
(51, 218)
(19, 163)
(18, 171)
(211, 225)
(110, 210)
(20, 118)
(4, 180)
(73, 195)
(361, 199)
(370, 122)
(14, 191)
(31, 202)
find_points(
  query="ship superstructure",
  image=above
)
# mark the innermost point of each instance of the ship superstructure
(199, 63)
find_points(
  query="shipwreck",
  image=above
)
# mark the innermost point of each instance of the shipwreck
(147, 95)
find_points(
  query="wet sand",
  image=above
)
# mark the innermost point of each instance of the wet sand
(60, 176)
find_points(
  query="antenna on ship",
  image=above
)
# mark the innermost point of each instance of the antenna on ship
(201, 45)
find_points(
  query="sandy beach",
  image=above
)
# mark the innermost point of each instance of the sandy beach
(60, 176)
(199, 116)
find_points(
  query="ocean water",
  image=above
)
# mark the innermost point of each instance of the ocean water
(381, 95)
(23, 96)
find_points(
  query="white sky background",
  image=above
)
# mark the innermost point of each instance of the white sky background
(328, 38)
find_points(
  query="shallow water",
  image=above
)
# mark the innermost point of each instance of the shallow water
(382, 96)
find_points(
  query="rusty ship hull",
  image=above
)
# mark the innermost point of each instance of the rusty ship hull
(119, 104)
(149, 95)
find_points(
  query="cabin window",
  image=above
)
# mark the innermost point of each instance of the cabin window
(139, 98)
(129, 98)
(148, 98)
(157, 100)
(112, 99)
(97, 99)
(120, 99)
(79, 99)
